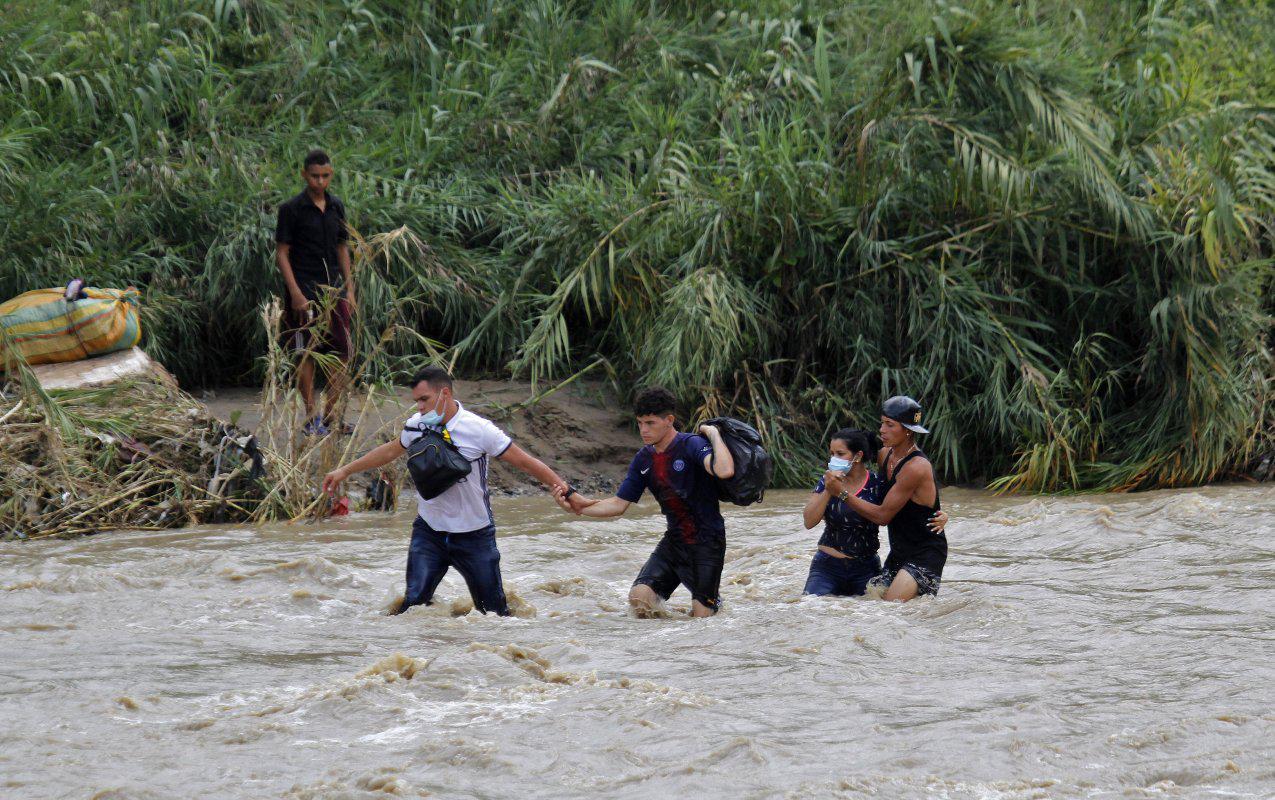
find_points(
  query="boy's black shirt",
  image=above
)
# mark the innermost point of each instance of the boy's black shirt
(313, 236)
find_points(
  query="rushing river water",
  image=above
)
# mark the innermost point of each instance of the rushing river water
(1097, 647)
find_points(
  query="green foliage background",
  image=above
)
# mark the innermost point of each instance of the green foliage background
(1052, 222)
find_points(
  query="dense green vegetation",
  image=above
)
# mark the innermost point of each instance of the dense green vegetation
(1052, 222)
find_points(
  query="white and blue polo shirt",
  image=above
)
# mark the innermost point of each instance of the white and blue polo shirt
(465, 506)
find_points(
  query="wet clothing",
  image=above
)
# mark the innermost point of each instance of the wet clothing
(693, 548)
(473, 554)
(466, 505)
(686, 492)
(696, 565)
(913, 546)
(846, 531)
(927, 582)
(303, 332)
(457, 528)
(841, 576)
(312, 236)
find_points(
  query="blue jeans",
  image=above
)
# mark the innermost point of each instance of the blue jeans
(843, 576)
(473, 554)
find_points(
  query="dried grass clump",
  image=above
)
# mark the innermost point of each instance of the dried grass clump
(138, 454)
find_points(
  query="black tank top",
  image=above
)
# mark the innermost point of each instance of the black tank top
(911, 540)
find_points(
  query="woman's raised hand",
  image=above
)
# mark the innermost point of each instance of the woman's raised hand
(834, 482)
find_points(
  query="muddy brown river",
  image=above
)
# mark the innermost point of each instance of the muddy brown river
(1086, 647)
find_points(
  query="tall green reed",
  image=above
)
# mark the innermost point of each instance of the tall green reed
(1050, 222)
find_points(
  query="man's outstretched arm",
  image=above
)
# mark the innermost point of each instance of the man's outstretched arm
(517, 457)
(379, 457)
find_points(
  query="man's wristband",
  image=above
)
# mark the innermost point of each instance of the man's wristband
(570, 491)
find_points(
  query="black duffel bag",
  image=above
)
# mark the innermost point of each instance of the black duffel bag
(434, 462)
(753, 465)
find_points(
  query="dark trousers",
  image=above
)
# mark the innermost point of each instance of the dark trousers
(473, 554)
(844, 576)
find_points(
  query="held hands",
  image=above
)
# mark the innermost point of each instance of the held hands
(558, 491)
(574, 504)
(559, 496)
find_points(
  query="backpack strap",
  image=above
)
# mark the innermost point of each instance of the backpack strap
(447, 438)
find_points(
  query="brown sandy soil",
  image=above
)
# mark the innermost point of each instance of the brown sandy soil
(581, 431)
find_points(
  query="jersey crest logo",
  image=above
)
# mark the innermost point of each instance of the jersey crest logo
(679, 465)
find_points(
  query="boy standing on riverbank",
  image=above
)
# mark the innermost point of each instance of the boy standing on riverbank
(456, 528)
(680, 469)
(313, 255)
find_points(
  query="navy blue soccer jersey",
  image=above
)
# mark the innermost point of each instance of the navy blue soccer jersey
(845, 530)
(686, 492)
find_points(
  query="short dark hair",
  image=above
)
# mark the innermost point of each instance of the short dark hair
(434, 376)
(860, 441)
(654, 400)
(315, 157)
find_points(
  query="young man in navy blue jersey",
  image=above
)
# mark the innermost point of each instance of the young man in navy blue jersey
(680, 470)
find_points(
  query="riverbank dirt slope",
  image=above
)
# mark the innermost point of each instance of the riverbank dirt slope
(581, 431)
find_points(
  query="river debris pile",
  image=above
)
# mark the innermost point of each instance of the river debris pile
(136, 454)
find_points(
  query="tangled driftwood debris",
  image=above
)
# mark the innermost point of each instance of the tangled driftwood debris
(136, 453)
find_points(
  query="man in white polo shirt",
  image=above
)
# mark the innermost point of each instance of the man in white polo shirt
(456, 528)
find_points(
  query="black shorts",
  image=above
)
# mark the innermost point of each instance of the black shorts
(697, 566)
(927, 580)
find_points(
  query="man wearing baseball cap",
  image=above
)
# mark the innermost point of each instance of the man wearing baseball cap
(917, 552)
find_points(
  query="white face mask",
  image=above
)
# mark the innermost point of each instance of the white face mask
(839, 464)
(433, 416)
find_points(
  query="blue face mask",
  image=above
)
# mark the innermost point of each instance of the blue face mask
(432, 417)
(839, 464)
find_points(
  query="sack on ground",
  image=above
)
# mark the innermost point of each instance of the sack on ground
(753, 465)
(434, 462)
(44, 326)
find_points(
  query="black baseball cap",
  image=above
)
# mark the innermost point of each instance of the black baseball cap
(905, 411)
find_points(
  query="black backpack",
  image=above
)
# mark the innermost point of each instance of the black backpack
(434, 462)
(753, 465)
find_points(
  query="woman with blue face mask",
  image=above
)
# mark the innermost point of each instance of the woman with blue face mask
(847, 555)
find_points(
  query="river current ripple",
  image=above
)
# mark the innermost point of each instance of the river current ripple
(1088, 647)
